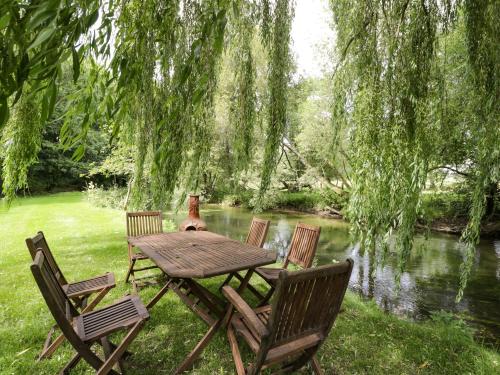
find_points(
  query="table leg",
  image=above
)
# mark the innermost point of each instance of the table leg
(159, 295)
(202, 293)
(189, 303)
(245, 281)
(209, 300)
(195, 353)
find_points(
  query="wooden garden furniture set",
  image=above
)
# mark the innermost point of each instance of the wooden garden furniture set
(289, 330)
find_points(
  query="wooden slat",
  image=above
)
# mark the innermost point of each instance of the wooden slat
(287, 350)
(258, 232)
(143, 223)
(299, 320)
(303, 245)
(200, 254)
(39, 242)
(90, 286)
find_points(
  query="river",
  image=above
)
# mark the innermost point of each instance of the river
(429, 283)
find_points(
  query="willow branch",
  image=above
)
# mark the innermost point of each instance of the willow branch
(450, 169)
(288, 145)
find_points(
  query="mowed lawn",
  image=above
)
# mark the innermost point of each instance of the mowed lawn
(87, 241)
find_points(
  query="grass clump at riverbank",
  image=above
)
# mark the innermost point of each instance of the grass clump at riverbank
(88, 240)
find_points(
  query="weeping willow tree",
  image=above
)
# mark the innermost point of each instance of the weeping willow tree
(388, 88)
(243, 101)
(155, 80)
(278, 38)
(154, 69)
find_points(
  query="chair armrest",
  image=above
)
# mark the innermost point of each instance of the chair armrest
(245, 310)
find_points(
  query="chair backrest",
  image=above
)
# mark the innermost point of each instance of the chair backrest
(258, 232)
(39, 242)
(145, 222)
(303, 247)
(61, 307)
(307, 302)
(59, 304)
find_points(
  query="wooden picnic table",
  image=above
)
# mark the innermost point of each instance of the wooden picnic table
(185, 256)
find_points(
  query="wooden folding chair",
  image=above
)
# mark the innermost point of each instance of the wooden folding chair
(302, 251)
(79, 292)
(139, 224)
(256, 237)
(84, 330)
(293, 327)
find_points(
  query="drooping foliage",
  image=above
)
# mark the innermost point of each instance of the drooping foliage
(36, 38)
(167, 54)
(279, 70)
(482, 31)
(21, 142)
(389, 91)
(153, 70)
(243, 101)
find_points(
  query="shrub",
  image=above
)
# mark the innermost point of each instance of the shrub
(114, 197)
(446, 204)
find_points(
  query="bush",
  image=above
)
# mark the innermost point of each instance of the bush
(303, 200)
(450, 205)
(113, 197)
(242, 198)
(311, 200)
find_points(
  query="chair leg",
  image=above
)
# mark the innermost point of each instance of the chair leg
(267, 297)
(299, 362)
(96, 300)
(126, 353)
(316, 366)
(52, 347)
(71, 364)
(130, 271)
(233, 342)
(108, 348)
(47, 342)
(117, 354)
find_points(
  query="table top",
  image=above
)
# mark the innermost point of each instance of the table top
(200, 254)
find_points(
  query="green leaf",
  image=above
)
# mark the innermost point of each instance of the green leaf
(23, 69)
(43, 36)
(198, 95)
(4, 21)
(92, 18)
(185, 74)
(76, 64)
(45, 109)
(52, 96)
(236, 10)
(79, 152)
(40, 16)
(4, 111)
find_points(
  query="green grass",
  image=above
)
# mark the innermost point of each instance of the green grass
(87, 241)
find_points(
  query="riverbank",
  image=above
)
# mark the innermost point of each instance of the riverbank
(87, 240)
(455, 227)
(441, 212)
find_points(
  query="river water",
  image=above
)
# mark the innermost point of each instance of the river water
(429, 284)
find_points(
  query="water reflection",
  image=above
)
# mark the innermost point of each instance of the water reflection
(429, 283)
